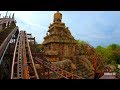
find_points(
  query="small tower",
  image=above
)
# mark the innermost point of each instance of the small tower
(8, 23)
(6, 14)
(9, 16)
(13, 16)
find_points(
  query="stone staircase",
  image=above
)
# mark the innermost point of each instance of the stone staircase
(81, 70)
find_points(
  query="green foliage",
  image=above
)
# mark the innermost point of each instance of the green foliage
(81, 42)
(38, 47)
(103, 52)
(110, 54)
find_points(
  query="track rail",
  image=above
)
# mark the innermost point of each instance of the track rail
(5, 44)
(23, 65)
(57, 70)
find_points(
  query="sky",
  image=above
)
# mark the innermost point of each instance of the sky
(95, 27)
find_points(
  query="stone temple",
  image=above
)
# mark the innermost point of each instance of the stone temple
(58, 43)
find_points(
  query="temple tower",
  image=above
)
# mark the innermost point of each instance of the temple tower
(58, 42)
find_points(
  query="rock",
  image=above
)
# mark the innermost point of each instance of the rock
(64, 64)
(73, 66)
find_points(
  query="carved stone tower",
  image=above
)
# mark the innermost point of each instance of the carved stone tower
(58, 42)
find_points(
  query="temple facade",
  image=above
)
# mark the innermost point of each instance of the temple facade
(58, 43)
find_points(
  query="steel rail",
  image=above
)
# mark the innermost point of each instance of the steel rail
(31, 58)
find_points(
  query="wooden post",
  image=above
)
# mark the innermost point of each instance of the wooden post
(34, 44)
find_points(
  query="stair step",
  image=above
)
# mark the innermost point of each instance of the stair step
(81, 67)
(91, 76)
(85, 72)
(90, 73)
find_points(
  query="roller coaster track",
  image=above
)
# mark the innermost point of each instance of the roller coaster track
(23, 66)
(6, 43)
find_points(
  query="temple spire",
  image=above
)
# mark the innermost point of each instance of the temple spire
(9, 16)
(13, 16)
(57, 17)
(6, 14)
(3, 20)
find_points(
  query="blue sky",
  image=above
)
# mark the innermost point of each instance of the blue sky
(95, 27)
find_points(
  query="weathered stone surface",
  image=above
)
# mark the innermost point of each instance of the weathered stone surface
(84, 66)
(64, 64)
(86, 55)
(58, 42)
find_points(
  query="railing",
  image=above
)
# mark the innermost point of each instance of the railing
(5, 44)
(63, 73)
(13, 63)
(23, 66)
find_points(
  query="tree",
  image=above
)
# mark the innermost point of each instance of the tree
(81, 42)
(38, 47)
(102, 52)
(110, 54)
(115, 52)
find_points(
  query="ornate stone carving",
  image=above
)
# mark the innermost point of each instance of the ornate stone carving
(58, 40)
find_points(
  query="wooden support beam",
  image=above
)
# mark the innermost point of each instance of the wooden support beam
(28, 34)
(31, 38)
